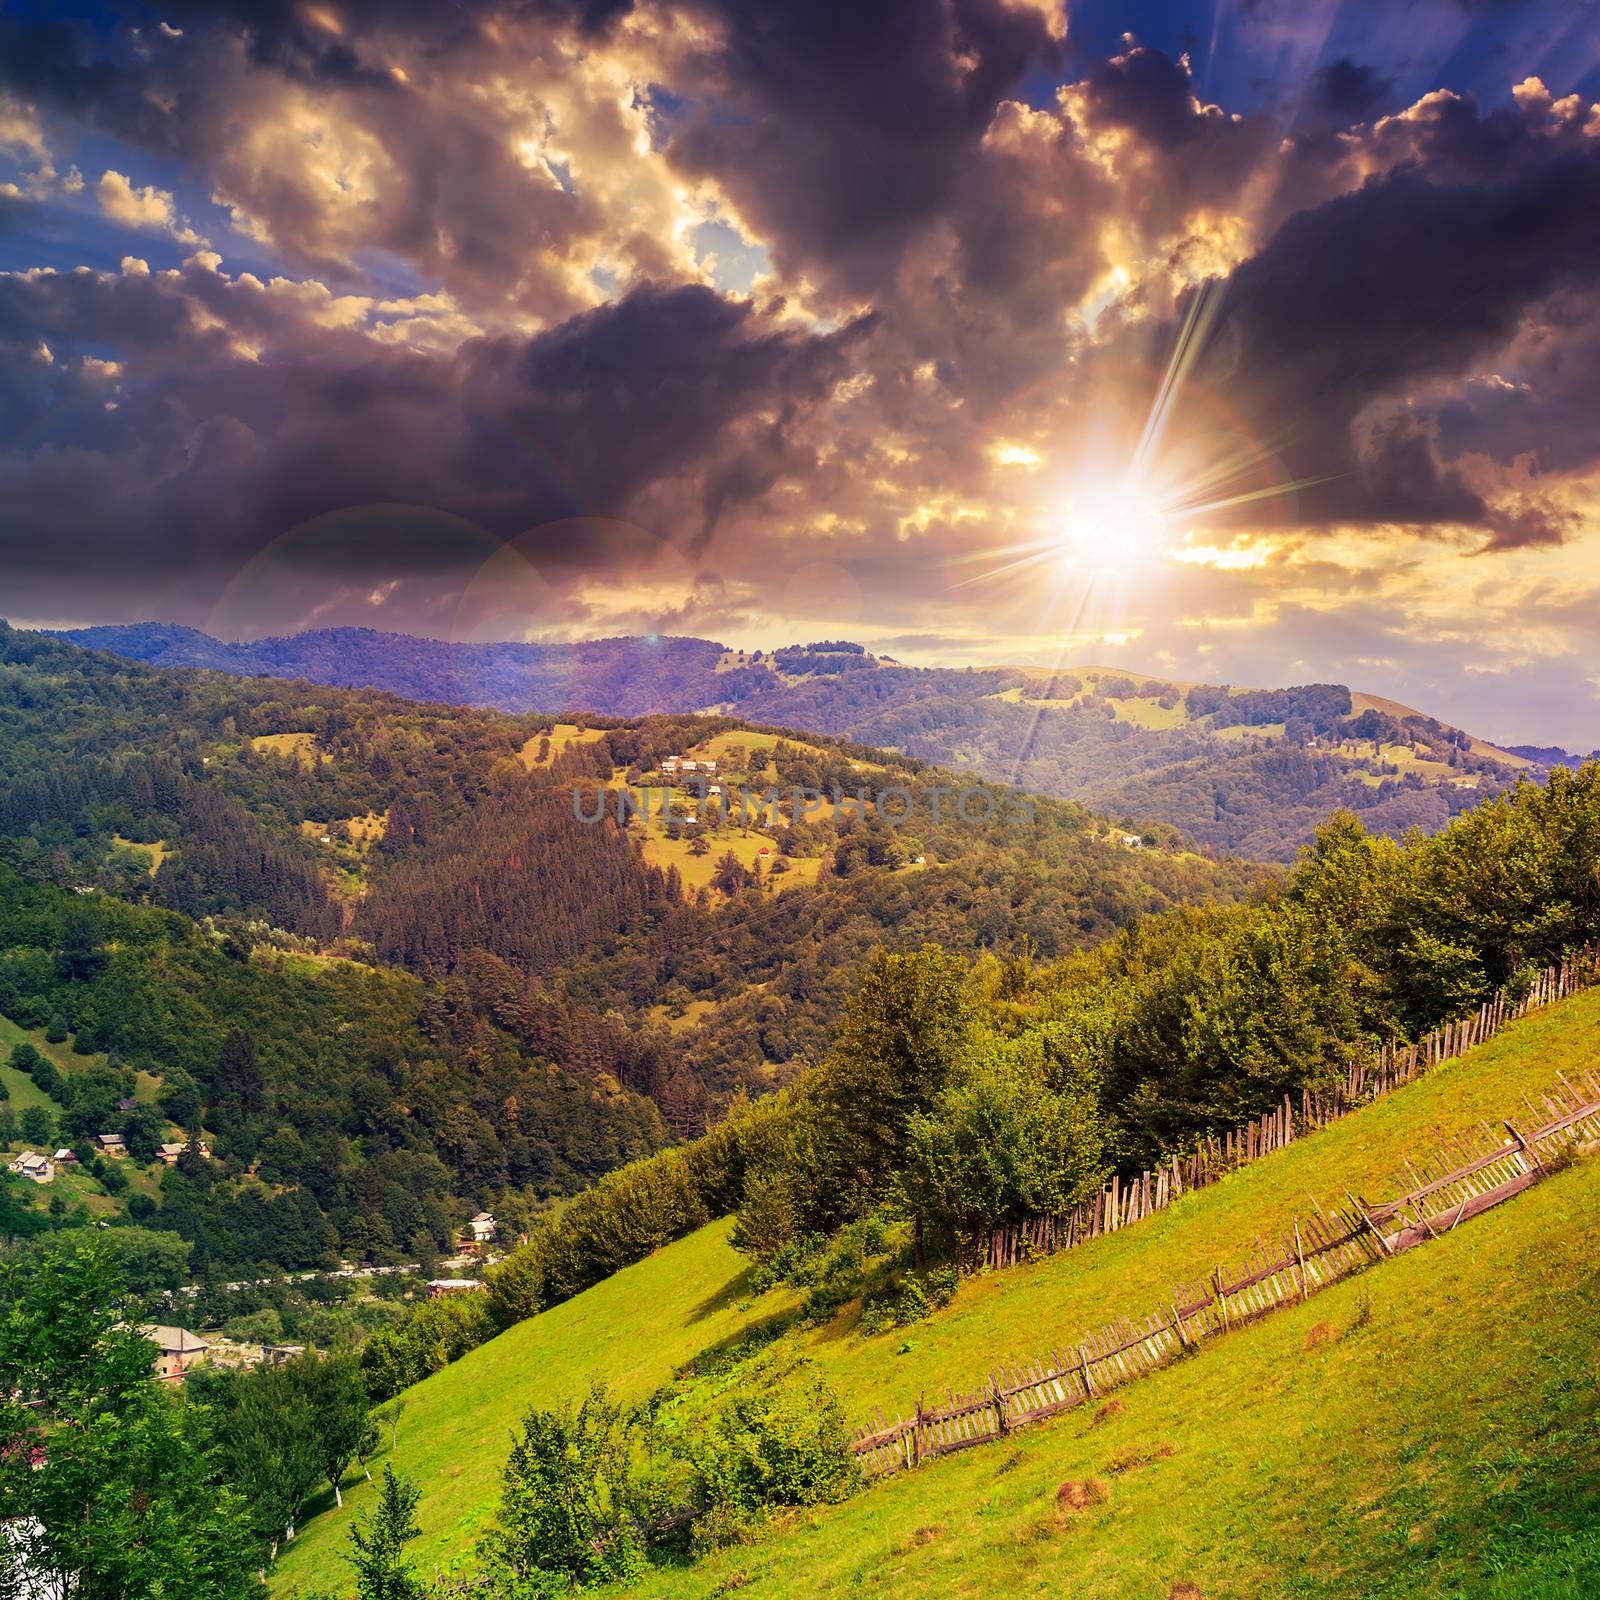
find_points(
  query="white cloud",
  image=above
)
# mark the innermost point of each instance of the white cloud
(20, 133)
(145, 207)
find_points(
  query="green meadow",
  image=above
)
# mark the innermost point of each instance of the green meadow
(1427, 1427)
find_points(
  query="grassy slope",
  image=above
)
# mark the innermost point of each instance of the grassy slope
(1434, 1436)
(1272, 1442)
(635, 1329)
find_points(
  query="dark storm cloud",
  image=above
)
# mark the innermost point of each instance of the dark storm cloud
(843, 129)
(1347, 90)
(205, 455)
(1148, 93)
(1411, 280)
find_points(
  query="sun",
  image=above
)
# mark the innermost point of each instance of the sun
(1113, 528)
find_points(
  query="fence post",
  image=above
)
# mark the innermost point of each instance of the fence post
(1529, 1153)
(1301, 1257)
(1217, 1295)
(1083, 1373)
(1368, 1224)
(1180, 1328)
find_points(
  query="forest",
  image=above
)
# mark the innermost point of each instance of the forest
(957, 1095)
(481, 1002)
(1247, 771)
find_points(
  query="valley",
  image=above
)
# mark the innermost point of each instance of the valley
(738, 1040)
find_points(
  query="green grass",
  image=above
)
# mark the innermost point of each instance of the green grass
(155, 853)
(636, 1330)
(146, 1085)
(1406, 1433)
(297, 747)
(1452, 1403)
(562, 737)
(694, 1012)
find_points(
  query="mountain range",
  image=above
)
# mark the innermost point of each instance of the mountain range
(1248, 771)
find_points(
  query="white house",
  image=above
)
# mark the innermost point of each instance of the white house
(481, 1228)
(36, 1168)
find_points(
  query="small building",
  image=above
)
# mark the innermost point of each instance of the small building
(481, 1229)
(65, 1157)
(670, 765)
(439, 1288)
(127, 1103)
(34, 1167)
(177, 1350)
(1130, 841)
(111, 1144)
(167, 1153)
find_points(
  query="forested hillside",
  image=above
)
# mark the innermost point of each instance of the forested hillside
(1249, 771)
(956, 1097)
(370, 951)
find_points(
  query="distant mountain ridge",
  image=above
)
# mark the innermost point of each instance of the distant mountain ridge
(612, 677)
(1249, 771)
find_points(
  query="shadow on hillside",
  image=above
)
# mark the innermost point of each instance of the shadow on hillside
(739, 1287)
(743, 1342)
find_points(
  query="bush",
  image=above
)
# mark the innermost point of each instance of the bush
(56, 1031)
(569, 1504)
(436, 1333)
(916, 1296)
(773, 1448)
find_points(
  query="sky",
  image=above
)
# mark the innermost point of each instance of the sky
(1252, 342)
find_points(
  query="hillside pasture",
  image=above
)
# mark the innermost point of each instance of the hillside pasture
(1398, 1425)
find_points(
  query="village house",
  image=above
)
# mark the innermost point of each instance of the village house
(177, 1350)
(481, 1229)
(111, 1144)
(34, 1167)
(168, 1152)
(127, 1103)
(439, 1288)
(65, 1157)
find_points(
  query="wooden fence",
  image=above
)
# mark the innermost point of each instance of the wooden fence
(1468, 1176)
(1122, 1203)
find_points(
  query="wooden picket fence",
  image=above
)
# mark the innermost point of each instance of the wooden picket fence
(1124, 1202)
(1466, 1177)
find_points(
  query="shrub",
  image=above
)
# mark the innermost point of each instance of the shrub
(774, 1448)
(916, 1296)
(569, 1514)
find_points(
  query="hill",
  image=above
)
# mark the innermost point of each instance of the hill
(369, 944)
(1418, 1429)
(1249, 771)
